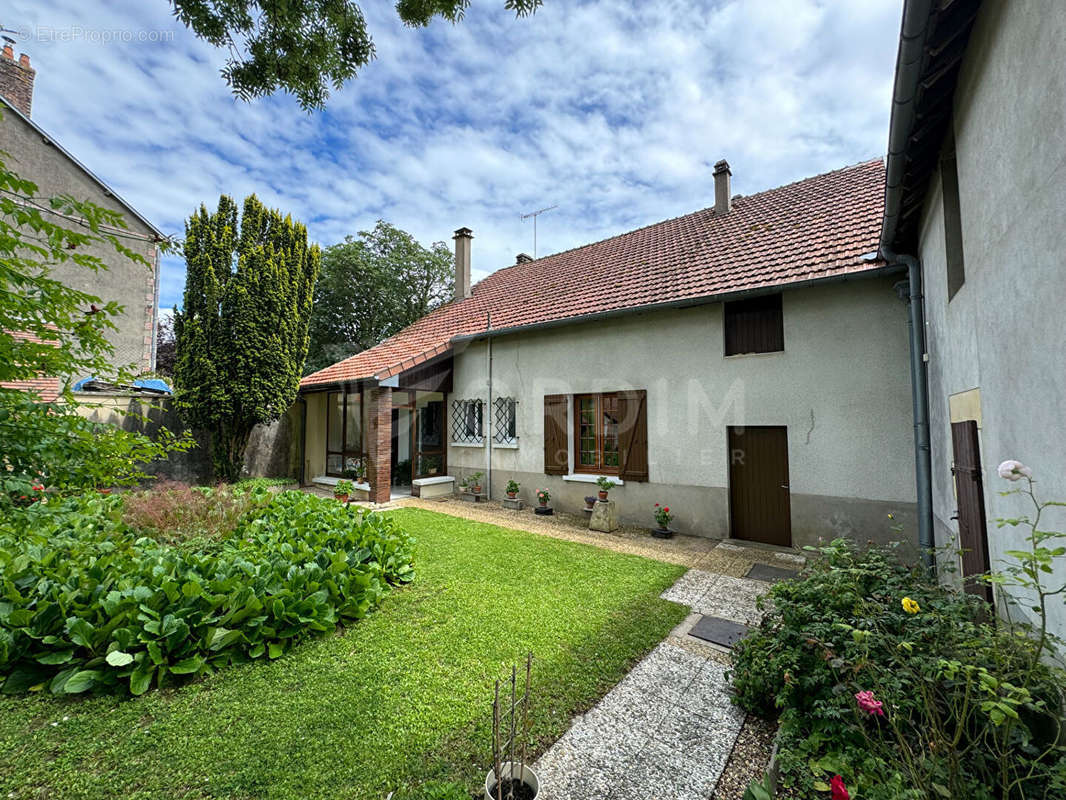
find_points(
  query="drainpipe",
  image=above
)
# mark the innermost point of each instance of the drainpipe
(488, 412)
(911, 293)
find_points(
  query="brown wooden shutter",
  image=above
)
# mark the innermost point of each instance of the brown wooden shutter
(754, 326)
(633, 435)
(556, 455)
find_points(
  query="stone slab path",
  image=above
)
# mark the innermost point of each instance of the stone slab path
(666, 731)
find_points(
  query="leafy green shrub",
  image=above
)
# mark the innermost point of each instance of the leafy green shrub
(86, 603)
(957, 704)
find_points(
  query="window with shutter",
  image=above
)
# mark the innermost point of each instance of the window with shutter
(754, 326)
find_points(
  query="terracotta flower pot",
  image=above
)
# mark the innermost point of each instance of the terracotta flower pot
(477, 488)
(603, 495)
(512, 495)
(341, 498)
(590, 501)
(543, 503)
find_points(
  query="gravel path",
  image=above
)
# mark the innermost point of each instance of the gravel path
(710, 555)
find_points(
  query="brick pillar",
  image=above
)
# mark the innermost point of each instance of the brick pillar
(379, 444)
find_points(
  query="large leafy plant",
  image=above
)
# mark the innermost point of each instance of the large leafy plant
(86, 602)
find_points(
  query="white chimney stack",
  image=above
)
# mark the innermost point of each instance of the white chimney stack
(722, 195)
(462, 238)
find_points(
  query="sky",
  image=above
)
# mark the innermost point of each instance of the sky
(614, 111)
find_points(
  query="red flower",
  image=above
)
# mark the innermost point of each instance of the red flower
(837, 790)
(667, 509)
(656, 505)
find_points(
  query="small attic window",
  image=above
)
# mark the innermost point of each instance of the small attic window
(754, 326)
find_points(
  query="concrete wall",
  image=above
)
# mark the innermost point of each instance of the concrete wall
(273, 450)
(130, 284)
(841, 387)
(1002, 333)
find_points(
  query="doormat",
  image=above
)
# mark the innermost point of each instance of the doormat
(718, 631)
(764, 572)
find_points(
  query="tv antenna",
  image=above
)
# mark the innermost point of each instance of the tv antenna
(536, 214)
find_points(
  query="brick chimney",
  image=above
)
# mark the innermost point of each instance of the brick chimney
(722, 201)
(16, 78)
(523, 258)
(462, 237)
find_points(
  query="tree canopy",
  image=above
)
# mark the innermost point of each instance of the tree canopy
(372, 286)
(241, 334)
(49, 330)
(305, 47)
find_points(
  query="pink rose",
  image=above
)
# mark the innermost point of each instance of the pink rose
(868, 704)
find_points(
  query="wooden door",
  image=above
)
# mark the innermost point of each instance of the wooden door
(970, 496)
(758, 485)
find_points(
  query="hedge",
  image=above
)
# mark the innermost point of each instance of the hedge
(88, 603)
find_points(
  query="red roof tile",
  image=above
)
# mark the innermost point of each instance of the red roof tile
(820, 227)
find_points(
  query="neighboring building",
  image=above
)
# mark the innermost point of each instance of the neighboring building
(36, 156)
(745, 365)
(977, 191)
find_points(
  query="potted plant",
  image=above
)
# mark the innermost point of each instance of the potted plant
(543, 496)
(605, 485)
(662, 518)
(343, 490)
(475, 483)
(512, 488)
(590, 501)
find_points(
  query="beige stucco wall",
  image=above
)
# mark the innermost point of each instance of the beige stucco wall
(841, 387)
(1002, 333)
(132, 285)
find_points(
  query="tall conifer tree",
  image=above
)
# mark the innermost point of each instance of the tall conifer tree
(242, 330)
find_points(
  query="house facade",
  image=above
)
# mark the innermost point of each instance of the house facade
(36, 156)
(745, 365)
(977, 194)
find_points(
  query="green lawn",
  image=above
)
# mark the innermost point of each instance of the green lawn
(399, 702)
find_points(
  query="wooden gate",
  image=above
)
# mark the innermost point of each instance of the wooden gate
(760, 510)
(970, 496)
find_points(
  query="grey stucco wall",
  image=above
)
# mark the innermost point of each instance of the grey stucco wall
(1002, 333)
(131, 285)
(841, 387)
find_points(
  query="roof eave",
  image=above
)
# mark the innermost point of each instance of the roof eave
(920, 60)
(688, 302)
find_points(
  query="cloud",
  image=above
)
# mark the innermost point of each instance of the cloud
(616, 111)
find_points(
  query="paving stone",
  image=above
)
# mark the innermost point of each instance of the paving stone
(693, 585)
(666, 672)
(664, 774)
(709, 694)
(732, 598)
(765, 572)
(720, 631)
(627, 704)
(705, 740)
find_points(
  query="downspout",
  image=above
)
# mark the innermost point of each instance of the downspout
(911, 294)
(914, 29)
(488, 411)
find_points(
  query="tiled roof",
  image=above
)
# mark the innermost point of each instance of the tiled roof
(816, 228)
(47, 389)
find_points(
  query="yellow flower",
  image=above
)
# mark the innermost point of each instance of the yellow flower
(910, 606)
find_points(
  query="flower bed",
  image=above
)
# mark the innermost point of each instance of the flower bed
(891, 686)
(87, 602)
